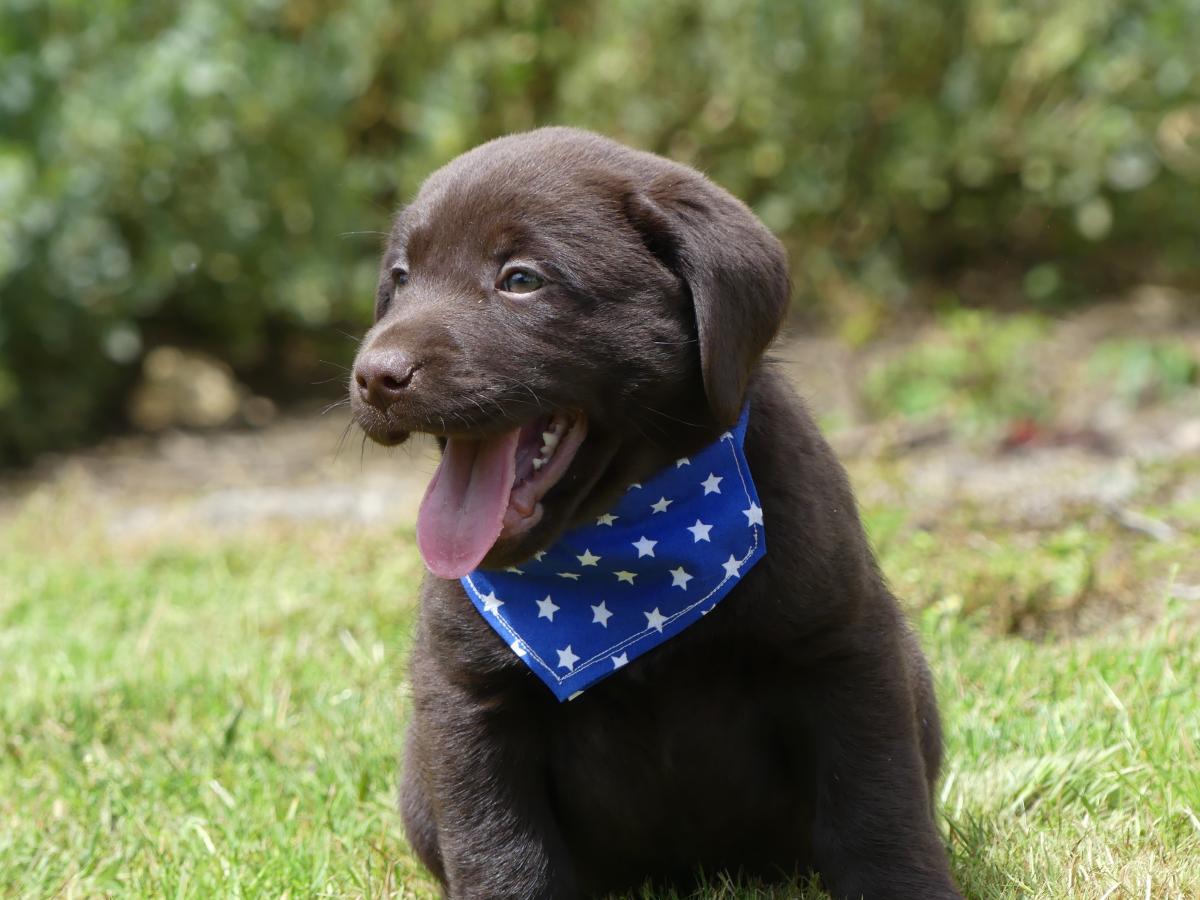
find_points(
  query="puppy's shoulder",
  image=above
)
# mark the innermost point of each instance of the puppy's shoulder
(814, 535)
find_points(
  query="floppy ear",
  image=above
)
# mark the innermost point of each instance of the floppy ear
(733, 267)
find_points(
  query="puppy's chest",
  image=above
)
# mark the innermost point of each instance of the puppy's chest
(680, 766)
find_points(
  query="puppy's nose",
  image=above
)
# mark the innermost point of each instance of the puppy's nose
(382, 377)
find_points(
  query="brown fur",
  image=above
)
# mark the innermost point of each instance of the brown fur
(794, 728)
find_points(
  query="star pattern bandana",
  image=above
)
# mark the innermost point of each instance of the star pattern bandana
(606, 593)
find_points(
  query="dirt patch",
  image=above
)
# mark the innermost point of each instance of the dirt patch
(302, 468)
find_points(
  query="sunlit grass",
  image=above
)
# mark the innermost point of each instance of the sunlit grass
(221, 716)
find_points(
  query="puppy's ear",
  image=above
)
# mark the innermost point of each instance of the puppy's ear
(734, 269)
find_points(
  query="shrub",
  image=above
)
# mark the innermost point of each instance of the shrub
(203, 173)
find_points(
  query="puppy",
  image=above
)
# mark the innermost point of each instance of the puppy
(579, 323)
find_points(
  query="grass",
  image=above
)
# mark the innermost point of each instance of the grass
(220, 716)
(979, 372)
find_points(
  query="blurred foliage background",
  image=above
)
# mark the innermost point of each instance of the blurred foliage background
(213, 175)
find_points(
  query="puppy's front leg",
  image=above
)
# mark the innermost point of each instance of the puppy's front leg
(874, 835)
(496, 832)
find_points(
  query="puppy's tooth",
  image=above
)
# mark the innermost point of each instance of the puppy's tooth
(550, 438)
(538, 462)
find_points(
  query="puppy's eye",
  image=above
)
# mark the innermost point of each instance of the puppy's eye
(520, 281)
(399, 276)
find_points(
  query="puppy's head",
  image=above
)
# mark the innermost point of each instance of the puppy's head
(566, 315)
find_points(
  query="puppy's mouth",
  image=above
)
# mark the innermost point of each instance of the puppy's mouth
(490, 488)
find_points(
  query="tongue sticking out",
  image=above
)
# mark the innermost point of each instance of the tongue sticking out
(463, 509)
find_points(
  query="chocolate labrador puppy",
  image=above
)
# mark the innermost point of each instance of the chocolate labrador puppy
(573, 319)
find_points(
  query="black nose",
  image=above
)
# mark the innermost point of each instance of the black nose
(382, 376)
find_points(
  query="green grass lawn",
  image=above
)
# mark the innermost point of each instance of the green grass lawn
(203, 716)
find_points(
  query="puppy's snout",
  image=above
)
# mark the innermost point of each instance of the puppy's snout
(383, 376)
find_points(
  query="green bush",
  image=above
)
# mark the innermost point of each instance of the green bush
(211, 173)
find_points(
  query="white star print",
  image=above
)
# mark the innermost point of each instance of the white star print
(600, 614)
(547, 608)
(567, 659)
(680, 578)
(491, 603)
(727, 436)
(645, 547)
(672, 566)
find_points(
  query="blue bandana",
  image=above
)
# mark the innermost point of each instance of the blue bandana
(606, 593)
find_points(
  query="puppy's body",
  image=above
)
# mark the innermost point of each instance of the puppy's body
(796, 728)
(792, 728)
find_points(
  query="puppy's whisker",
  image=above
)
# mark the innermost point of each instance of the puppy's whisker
(532, 392)
(335, 404)
(482, 411)
(513, 400)
(342, 440)
(659, 412)
(638, 428)
(496, 403)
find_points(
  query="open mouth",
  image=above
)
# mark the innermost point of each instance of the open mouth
(490, 488)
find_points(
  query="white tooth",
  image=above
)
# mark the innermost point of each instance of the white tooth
(538, 462)
(550, 438)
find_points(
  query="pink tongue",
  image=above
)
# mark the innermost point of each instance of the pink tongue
(463, 509)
